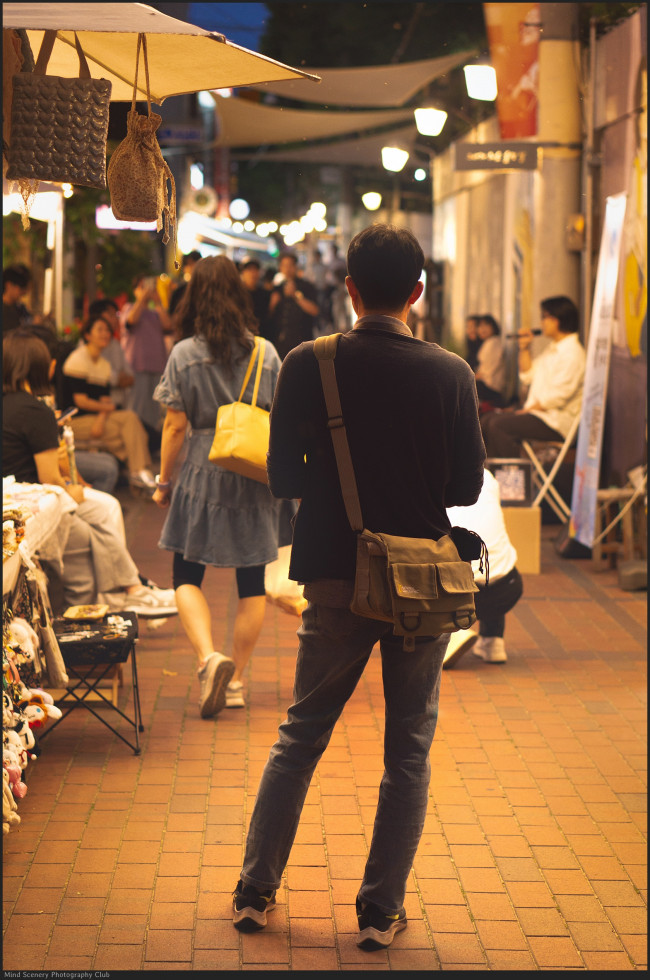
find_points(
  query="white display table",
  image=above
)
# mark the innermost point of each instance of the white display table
(45, 531)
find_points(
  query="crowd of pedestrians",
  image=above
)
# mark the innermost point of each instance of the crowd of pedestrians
(145, 383)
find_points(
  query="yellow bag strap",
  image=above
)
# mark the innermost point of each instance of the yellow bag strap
(260, 364)
(260, 344)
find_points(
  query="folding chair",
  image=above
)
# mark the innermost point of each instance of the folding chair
(544, 480)
(92, 658)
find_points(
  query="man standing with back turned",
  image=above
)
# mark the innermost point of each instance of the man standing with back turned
(411, 413)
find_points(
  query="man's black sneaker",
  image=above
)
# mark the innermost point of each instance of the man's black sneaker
(250, 907)
(376, 929)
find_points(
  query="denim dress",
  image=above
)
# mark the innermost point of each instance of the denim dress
(216, 517)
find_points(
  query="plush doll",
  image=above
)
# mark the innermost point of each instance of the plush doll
(22, 635)
(23, 731)
(18, 787)
(7, 711)
(36, 709)
(9, 816)
(15, 747)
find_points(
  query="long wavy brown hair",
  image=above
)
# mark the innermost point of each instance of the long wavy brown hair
(217, 306)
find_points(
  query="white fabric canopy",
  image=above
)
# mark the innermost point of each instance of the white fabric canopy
(246, 123)
(380, 85)
(364, 151)
(182, 58)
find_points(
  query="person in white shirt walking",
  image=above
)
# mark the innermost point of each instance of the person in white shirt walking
(556, 380)
(504, 588)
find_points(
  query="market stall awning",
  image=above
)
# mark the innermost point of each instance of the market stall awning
(182, 58)
(363, 151)
(380, 85)
(246, 123)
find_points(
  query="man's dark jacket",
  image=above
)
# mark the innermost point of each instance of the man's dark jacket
(411, 413)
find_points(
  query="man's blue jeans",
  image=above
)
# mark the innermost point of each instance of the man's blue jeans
(335, 645)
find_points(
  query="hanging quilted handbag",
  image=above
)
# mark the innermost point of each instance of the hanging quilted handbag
(137, 173)
(241, 435)
(59, 126)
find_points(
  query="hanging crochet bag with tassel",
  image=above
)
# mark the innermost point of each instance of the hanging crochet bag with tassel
(137, 173)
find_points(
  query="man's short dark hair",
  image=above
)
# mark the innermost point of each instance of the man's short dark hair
(385, 263)
(194, 256)
(248, 262)
(18, 275)
(288, 255)
(565, 312)
(99, 307)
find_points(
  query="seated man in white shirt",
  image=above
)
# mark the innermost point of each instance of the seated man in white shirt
(556, 380)
(504, 588)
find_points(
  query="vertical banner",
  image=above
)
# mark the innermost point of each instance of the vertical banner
(590, 433)
(513, 36)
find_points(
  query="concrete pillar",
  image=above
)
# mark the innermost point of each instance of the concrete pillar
(556, 269)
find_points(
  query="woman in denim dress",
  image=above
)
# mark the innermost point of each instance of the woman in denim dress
(214, 517)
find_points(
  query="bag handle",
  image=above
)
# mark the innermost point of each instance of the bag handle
(325, 350)
(260, 364)
(259, 347)
(142, 41)
(49, 37)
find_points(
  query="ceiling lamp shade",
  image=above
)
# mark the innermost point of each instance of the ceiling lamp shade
(430, 121)
(394, 158)
(481, 82)
(371, 200)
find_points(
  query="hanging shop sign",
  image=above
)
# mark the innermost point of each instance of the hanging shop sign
(181, 133)
(496, 156)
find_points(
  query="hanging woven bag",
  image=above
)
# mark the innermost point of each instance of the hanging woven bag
(59, 126)
(137, 173)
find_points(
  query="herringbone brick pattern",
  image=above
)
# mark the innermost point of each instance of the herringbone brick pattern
(533, 855)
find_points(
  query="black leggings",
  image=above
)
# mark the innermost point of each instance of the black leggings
(492, 603)
(250, 581)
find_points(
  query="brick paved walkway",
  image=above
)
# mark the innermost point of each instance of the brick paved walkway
(533, 855)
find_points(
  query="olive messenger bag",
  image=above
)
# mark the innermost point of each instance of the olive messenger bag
(423, 587)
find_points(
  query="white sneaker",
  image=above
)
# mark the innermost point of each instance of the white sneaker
(214, 676)
(234, 696)
(459, 643)
(492, 649)
(143, 478)
(168, 596)
(143, 602)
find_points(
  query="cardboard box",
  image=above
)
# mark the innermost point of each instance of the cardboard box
(524, 527)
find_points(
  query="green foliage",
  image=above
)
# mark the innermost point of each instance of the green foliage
(607, 16)
(123, 255)
(120, 253)
(12, 234)
(16, 241)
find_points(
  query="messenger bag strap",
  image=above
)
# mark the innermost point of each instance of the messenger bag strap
(325, 351)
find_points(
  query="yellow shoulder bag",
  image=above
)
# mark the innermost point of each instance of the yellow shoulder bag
(241, 435)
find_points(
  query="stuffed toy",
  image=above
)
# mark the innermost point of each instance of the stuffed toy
(18, 787)
(36, 708)
(14, 748)
(23, 731)
(7, 711)
(22, 635)
(9, 816)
